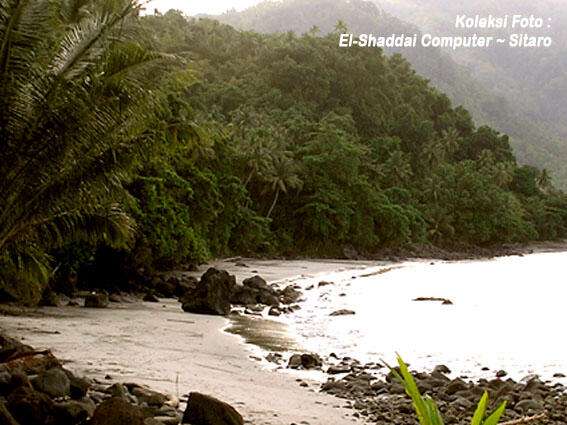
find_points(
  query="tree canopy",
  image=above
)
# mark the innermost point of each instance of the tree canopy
(133, 144)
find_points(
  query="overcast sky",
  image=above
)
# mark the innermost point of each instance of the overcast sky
(194, 7)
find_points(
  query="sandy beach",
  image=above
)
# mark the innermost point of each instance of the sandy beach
(159, 345)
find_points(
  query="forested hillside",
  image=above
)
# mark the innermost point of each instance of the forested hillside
(535, 137)
(533, 80)
(347, 147)
(136, 144)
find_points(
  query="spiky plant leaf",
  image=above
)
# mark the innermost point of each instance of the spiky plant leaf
(480, 409)
(496, 415)
(411, 389)
(433, 412)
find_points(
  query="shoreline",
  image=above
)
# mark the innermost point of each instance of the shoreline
(248, 265)
(168, 350)
(194, 352)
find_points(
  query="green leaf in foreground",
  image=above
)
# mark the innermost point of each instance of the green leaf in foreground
(495, 416)
(428, 412)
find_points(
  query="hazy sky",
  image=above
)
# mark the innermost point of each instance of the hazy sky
(193, 7)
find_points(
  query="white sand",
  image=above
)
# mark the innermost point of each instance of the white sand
(175, 352)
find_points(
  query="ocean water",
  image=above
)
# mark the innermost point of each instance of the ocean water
(508, 313)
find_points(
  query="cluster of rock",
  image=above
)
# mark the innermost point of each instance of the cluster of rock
(36, 390)
(217, 291)
(214, 293)
(384, 401)
(158, 287)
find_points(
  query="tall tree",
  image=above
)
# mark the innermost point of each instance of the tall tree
(75, 99)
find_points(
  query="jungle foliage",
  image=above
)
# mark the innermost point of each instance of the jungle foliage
(526, 102)
(158, 141)
(333, 148)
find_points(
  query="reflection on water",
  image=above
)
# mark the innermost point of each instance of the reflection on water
(507, 313)
(267, 334)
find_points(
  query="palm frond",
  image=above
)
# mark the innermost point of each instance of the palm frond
(79, 95)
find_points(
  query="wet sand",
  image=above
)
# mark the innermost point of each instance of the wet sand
(159, 345)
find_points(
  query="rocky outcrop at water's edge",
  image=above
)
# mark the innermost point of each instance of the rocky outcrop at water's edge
(217, 290)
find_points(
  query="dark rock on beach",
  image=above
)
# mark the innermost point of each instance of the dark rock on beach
(96, 300)
(384, 402)
(31, 362)
(217, 290)
(145, 395)
(254, 290)
(79, 386)
(342, 312)
(53, 382)
(206, 410)
(31, 407)
(333, 370)
(274, 311)
(73, 412)
(151, 298)
(501, 373)
(212, 294)
(35, 389)
(184, 284)
(444, 301)
(305, 361)
(441, 369)
(117, 411)
(289, 295)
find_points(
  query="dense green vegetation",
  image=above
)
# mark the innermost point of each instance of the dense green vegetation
(526, 102)
(117, 159)
(75, 103)
(537, 88)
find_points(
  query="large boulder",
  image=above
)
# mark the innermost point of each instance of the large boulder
(206, 410)
(79, 386)
(166, 288)
(117, 411)
(212, 294)
(254, 290)
(72, 412)
(289, 295)
(30, 407)
(184, 284)
(53, 382)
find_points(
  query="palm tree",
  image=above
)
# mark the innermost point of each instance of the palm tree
(486, 160)
(76, 92)
(544, 181)
(258, 154)
(282, 176)
(434, 153)
(503, 173)
(433, 188)
(450, 141)
(399, 168)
